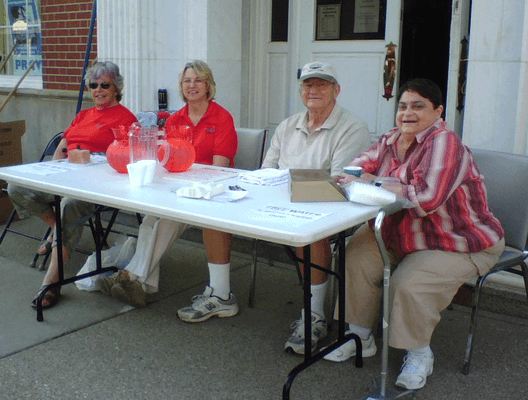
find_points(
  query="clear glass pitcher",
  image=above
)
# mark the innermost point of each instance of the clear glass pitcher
(145, 143)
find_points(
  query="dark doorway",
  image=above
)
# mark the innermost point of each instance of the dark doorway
(425, 41)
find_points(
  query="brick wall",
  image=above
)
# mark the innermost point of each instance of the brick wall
(65, 30)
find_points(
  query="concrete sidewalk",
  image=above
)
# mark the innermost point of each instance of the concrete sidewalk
(93, 347)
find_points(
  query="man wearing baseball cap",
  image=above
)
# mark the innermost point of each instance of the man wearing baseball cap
(325, 136)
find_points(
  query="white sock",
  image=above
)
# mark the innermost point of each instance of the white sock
(219, 279)
(361, 331)
(422, 351)
(318, 298)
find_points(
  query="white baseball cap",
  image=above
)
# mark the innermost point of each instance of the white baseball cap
(318, 69)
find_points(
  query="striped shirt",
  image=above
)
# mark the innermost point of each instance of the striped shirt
(445, 186)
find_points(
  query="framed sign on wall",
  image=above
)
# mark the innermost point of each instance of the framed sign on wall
(351, 19)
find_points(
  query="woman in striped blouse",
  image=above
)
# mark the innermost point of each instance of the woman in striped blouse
(447, 237)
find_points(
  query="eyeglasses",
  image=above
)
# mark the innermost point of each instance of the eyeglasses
(188, 82)
(95, 85)
(414, 106)
(322, 85)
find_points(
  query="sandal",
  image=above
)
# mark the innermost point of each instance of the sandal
(51, 297)
(45, 247)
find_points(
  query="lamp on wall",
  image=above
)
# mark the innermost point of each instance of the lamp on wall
(389, 71)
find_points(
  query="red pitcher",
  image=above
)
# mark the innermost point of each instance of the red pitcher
(182, 155)
(118, 153)
(182, 152)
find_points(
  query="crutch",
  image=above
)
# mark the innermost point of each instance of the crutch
(384, 394)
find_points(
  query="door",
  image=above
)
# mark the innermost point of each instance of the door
(359, 64)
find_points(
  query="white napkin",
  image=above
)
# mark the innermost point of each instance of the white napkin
(369, 194)
(266, 176)
(201, 190)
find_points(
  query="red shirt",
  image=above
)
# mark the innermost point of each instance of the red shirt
(215, 134)
(92, 128)
(444, 185)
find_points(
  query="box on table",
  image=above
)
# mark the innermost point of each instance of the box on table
(310, 185)
(10, 154)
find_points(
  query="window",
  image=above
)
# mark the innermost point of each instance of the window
(54, 34)
(20, 43)
(279, 20)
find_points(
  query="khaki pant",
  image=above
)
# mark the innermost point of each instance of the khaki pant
(30, 202)
(154, 237)
(422, 285)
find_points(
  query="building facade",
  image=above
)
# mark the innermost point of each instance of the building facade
(255, 48)
(476, 50)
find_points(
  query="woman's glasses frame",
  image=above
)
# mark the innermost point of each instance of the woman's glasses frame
(95, 85)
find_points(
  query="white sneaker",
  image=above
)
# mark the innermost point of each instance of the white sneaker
(348, 350)
(296, 341)
(207, 305)
(415, 370)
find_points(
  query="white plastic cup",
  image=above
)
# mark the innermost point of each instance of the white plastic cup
(150, 168)
(353, 170)
(136, 174)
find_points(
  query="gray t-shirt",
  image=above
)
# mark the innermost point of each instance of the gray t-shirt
(342, 137)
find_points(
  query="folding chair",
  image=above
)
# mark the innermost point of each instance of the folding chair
(250, 154)
(505, 179)
(251, 145)
(48, 152)
(97, 229)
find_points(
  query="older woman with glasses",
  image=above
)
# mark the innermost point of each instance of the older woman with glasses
(211, 129)
(90, 130)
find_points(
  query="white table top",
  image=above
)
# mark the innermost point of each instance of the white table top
(101, 184)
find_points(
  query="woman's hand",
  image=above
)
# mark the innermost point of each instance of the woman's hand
(347, 178)
(59, 152)
(394, 187)
(221, 161)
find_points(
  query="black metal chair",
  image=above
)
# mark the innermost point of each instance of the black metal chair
(505, 179)
(48, 152)
(93, 220)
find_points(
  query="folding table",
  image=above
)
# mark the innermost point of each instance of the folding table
(265, 213)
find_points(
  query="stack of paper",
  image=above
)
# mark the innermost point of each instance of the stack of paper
(369, 194)
(266, 176)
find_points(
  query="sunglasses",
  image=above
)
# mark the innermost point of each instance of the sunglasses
(94, 85)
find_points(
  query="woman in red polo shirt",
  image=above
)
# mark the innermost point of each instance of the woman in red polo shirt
(90, 130)
(211, 129)
(202, 121)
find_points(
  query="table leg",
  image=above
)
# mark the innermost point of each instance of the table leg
(58, 226)
(310, 359)
(307, 299)
(98, 238)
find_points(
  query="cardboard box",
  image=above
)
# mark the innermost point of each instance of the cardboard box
(6, 207)
(10, 142)
(309, 185)
(10, 154)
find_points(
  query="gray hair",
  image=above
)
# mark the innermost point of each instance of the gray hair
(108, 68)
(204, 72)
